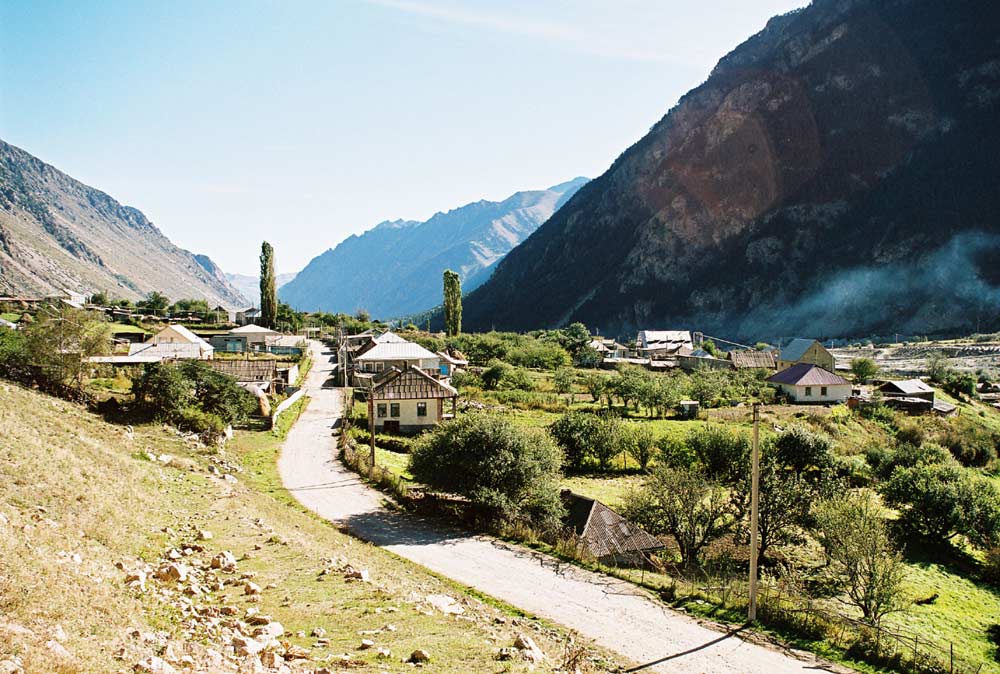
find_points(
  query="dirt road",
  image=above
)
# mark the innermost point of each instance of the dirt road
(613, 613)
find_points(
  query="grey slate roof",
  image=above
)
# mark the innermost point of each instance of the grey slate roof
(807, 374)
(796, 349)
(907, 387)
(752, 359)
(604, 531)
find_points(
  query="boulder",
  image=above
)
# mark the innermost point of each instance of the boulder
(246, 645)
(366, 644)
(445, 604)
(529, 649)
(58, 649)
(269, 631)
(251, 588)
(154, 665)
(226, 561)
(419, 655)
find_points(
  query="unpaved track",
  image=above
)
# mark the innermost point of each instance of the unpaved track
(613, 613)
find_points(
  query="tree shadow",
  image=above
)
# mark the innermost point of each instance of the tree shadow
(387, 528)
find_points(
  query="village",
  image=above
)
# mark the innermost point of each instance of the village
(634, 428)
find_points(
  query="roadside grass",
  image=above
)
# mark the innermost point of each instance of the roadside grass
(11, 316)
(104, 501)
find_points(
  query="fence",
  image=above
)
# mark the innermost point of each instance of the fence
(288, 402)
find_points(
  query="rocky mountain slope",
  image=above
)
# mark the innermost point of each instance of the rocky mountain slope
(58, 234)
(835, 175)
(249, 286)
(395, 268)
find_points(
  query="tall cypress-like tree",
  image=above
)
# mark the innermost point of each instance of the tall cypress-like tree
(452, 303)
(268, 291)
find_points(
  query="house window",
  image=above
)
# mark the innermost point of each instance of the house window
(421, 409)
(809, 391)
(394, 409)
(822, 391)
(381, 410)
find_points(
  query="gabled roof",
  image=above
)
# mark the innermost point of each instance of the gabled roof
(389, 337)
(185, 333)
(452, 360)
(410, 383)
(796, 349)
(807, 374)
(907, 386)
(397, 351)
(246, 370)
(752, 359)
(604, 531)
(181, 350)
(252, 328)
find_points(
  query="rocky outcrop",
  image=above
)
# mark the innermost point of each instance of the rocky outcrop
(395, 268)
(59, 234)
(833, 176)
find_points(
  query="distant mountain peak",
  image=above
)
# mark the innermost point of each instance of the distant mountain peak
(395, 268)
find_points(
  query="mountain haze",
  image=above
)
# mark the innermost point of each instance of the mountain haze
(835, 175)
(58, 234)
(249, 286)
(395, 268)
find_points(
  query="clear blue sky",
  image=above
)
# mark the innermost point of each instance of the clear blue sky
(304, 122)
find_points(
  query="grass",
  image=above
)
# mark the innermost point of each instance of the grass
(126, 329)
(610, 491)
(11, 316)
(104, 501)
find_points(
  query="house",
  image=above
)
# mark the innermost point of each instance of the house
(451, 362)
(387, 355)
(249, 337)
(409, 400)
(806, 351)
(605, 534)
(174, 342)
(808, 383)
(690, 360)
(662, 343)
(260, 372)
(750, 359)
(245, 316)
(914, 396)
(608, 348)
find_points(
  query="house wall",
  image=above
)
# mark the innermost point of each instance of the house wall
(816, 355)
(408, 419)
(834, 393)
(169, 336)
(381, 365)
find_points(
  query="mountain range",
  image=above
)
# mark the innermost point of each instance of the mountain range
(249, 286)
(835, 175)
(57, 234)
(395, 268)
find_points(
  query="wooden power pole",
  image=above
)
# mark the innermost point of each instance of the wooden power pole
(754, 506)
(371, 427)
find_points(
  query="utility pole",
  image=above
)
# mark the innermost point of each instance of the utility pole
(754, 506)
(371, 426)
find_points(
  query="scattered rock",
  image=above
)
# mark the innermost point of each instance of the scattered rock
(246, 645)
(529, 649)
(445, 604)
(269, 631)
(366, 644)
(350, 573)
(419, 655)
(205, 535)
(251, 588)
(318, 632)
(58, 649)
(226, 561)
(154, 665)
(384, 653)
(12, 666)
(176, 572)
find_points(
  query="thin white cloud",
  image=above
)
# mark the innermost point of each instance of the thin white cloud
(577, 37)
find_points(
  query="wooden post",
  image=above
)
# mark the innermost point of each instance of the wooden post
(371, 427)
(754, 505)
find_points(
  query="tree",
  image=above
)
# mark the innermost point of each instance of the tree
(511, 472)
(724, 455)
(452, 303)
(268, 288)
(805, 453)
(863, 369)
(163, 390)
(642, 444)
(564, 380)
(684, 504)
(938, 368)
(596, 384)
(853, 531)
(574, 432)
(710, 348)
(155, 303)
(62, 338)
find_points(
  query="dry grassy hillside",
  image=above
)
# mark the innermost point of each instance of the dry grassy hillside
(92, 516)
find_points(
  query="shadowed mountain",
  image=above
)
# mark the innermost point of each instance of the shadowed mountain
(835, 175)
(395, 268)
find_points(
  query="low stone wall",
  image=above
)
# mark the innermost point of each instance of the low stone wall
(288, 402)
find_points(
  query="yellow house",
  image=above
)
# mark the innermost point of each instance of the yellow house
(409, 401)
(806, 351)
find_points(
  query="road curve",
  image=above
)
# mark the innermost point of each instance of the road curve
(614, 614)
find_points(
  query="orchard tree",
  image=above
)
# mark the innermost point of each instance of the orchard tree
(864, 369)
(268, 289)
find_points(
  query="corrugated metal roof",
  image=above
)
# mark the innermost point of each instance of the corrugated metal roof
(752, 359)
(604, 531)
(907, 386)
(183, 332)
(411, 384)
(184, 350)
(796, 349)
(652, 339)
(807, 374)
(252, 329)
(397, 351)
(389, 337)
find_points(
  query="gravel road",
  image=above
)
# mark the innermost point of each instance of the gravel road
(612, 613)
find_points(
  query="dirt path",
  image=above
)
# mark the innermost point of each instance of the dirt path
(613, 613)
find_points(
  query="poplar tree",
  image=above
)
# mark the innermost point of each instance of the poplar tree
(268, 291)
(452, 303)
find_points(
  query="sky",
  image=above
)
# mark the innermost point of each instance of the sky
(228, 123)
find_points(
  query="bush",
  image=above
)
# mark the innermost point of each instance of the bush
(466, 379)
(195, 420)
(884, 461)
(723, 454)
(501, 376)
(539, 354)
(510, 472)
(163, 390)
(806, 453)
(168, 392)
(587, 438)
(961, 384)
(219, 394)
